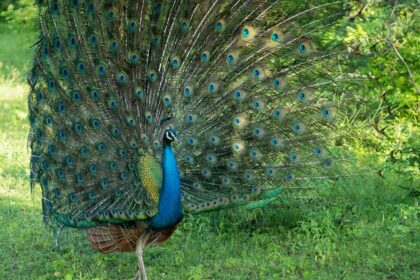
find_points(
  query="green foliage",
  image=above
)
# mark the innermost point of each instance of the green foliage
(13, 66)
(385, 34)
(21, 12)
(17, 32)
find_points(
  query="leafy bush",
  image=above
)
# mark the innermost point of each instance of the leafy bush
(385, 33)
(17, 11)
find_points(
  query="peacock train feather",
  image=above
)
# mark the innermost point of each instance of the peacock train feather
(249, 88)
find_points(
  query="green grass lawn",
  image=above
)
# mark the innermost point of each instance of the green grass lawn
(365, 229)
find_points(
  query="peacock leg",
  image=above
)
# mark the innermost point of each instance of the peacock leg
(139, 252)
(57, 236)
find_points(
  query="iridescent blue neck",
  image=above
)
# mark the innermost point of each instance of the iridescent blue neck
(169, 206)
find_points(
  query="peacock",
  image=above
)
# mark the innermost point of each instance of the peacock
(141, 111)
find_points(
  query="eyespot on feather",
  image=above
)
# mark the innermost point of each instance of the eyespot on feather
(167, 100)
(298, 127)
(277, 36)
(205, 56)
(238, 147)
(156, 41)
(231, 164)
(255, 153)
(257, 104)
(213, 87)
(188, 91)
(132, 25)
(304, 48)
(192, 141)
(113, 45)
(152, 75)
(175, 62)
(279, 83)
(220, 25)
(304, 95)
(184, 24)
(294, 157)
(206, 172)
(211, 158)
(149, 117)
(214, 139)
(240, 95)
(239, 121)
(270, 171)
(319, 151)
(276, 142)
(258, 132)
(259, 73)
(139, 93)
(226, 181)
(111, 16)
(133, 58)
(122, 78)
(327, 113)
(232, 57)
(248, 33)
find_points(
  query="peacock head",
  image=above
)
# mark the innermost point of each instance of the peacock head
(169, 136)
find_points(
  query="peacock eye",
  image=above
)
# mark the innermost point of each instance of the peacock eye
(170, 135)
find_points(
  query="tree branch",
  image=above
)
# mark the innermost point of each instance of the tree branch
(406, 67)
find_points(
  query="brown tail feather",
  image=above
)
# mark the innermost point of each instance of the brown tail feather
(112, 238)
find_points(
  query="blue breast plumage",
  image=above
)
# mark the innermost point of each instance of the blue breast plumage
(169, 206)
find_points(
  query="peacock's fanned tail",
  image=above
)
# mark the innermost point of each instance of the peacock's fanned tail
(251, 88)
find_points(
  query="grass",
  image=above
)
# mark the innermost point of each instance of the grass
(366, 229)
